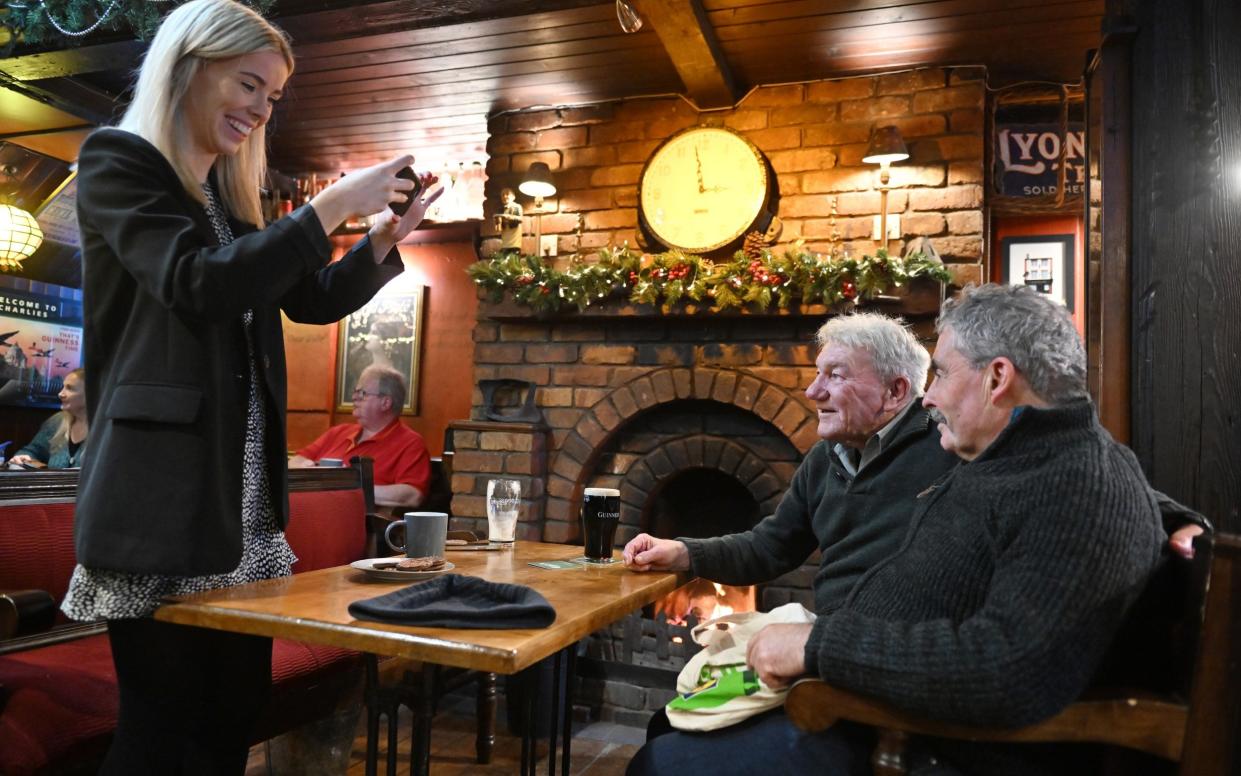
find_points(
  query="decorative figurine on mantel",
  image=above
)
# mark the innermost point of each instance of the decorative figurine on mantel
(508, 223)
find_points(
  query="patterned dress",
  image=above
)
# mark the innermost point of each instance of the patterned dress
(101, 594)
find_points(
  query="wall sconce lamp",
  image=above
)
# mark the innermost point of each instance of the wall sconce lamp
(20, 235)
(538, 184)
(886, 146)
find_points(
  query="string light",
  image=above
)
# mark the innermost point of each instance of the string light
(59, 28)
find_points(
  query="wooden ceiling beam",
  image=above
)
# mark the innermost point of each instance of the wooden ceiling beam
(475, 67)
(307, 21)
(692, 46)
(66, 94)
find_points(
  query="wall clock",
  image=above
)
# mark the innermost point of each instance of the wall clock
(703, 188)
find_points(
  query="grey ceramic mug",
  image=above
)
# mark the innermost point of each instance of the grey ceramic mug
(424, 534)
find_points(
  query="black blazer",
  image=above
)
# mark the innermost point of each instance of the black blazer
(165, 356)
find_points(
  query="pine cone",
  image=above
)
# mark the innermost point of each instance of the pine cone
(754, 245)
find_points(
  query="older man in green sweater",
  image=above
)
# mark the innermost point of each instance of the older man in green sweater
(851, 497)
(1016, 571)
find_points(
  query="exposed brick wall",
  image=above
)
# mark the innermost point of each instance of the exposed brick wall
(606, 382)
(813, 133)
(596, 380)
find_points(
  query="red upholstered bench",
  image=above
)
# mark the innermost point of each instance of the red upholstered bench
(57, 687)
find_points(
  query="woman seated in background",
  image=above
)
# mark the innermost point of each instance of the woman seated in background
(62, 437)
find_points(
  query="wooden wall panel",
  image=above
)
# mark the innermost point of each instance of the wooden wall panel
(447, 378)
(1186, 233)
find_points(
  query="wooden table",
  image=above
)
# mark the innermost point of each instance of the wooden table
(314, 607)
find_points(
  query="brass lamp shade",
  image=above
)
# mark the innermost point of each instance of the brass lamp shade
(886, 146)
(538, 182)
(20, 236)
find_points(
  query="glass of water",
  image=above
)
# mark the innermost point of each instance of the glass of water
(503, 499)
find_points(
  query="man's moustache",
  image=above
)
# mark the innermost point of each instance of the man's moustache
(938, 416)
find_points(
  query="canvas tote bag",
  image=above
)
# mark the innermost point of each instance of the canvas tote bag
(716, 689)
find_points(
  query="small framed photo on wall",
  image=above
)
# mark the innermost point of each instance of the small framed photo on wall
(387, 331)
(1044, 261)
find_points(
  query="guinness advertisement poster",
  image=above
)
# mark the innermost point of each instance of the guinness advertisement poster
(40, 343)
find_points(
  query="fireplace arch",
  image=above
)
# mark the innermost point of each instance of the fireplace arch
(578, 455)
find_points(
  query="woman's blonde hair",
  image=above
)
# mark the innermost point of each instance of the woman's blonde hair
(192, 35)
(61, 436)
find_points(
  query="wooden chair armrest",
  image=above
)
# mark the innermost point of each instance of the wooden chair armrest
(376, 524)
(1153, 724)
(25, 611)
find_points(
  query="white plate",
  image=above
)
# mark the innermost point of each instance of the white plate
(396, 575)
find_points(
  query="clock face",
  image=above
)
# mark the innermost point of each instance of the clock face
(702, 189)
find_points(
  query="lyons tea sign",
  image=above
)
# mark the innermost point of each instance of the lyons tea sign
(1029, 158)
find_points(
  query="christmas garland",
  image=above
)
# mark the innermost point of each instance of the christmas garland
(38, 21)
(668, 278)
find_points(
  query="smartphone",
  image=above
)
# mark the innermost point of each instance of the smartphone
(400, 207)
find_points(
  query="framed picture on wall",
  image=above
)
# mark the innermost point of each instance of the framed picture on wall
(387, 331)
(1044, 261)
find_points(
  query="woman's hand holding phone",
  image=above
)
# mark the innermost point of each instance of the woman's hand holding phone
(401, 218)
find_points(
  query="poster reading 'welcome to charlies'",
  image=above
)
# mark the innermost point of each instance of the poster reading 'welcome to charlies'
(40, 343)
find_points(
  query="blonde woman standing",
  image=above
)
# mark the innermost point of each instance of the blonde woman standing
(184, 488)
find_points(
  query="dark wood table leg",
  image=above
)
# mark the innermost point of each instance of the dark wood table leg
(528, 747)
(371, 694)
(393, 707)
(553, 726)
(424, 711)
(569, 673)
(485, 711)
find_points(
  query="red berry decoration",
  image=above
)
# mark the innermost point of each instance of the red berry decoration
(848, 290)
(545, 290)
(633, 277)
(525, 280)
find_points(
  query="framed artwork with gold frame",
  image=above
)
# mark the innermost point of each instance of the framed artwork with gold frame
(387, 331)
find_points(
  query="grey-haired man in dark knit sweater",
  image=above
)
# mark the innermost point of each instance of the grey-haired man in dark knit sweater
(1017, 569)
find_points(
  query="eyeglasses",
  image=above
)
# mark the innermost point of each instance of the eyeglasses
(359, 393)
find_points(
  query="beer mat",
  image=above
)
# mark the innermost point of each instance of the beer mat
(457, 601)
(555, 564)
(464, 542)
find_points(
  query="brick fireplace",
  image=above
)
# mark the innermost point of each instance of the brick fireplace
(699, 421)
(677, 412)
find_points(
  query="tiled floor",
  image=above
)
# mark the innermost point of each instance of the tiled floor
(599, 749)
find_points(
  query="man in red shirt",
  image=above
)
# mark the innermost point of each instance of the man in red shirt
(402, 465)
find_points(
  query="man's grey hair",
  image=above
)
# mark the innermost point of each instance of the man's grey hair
(1027, 328)
(892, 347)
(391, 384)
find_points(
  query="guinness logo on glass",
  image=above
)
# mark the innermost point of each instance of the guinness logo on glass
(600, 516)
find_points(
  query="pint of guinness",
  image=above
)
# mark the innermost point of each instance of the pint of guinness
(600, 516)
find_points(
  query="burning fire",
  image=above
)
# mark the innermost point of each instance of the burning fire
(705, 600)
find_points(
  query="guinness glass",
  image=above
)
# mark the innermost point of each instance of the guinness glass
(600, 516)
